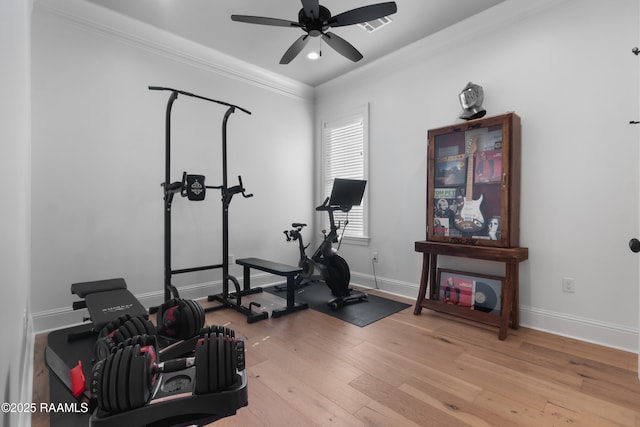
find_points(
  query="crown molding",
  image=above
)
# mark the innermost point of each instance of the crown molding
(498, 16)
(107, 23)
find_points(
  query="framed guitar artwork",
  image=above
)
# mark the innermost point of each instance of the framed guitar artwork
(473, 182)
(469, 218)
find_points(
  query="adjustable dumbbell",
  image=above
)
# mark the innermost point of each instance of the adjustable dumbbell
(177, 319)
(180, 318)
(126, 378)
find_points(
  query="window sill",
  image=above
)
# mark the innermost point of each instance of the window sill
(356, 241)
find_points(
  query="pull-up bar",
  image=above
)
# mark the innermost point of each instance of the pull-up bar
(193, 95)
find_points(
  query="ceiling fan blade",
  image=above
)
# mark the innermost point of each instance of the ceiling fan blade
(342, 46)
(264, 21)
(364, 14)
(294, 49)
(311, 8)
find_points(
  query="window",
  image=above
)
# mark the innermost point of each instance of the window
(344, 143)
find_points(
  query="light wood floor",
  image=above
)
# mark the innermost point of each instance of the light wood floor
(309, 369)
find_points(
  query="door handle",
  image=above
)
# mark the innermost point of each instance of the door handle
(634, 245)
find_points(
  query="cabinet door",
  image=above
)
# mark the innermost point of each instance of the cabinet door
(473, 182)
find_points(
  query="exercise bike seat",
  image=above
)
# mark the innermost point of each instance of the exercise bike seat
(298, 224)
(106, 300)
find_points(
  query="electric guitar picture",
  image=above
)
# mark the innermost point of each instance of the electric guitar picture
(469, 218)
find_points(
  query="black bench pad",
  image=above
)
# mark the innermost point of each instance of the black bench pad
(269, 266)
(85, 288)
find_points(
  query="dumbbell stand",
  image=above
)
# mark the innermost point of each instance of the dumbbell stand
(175, 404)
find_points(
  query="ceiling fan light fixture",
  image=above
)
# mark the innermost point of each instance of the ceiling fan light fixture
(313, 55)
(315, 20)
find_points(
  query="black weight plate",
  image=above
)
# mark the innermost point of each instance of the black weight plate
(103, 347)
(202, 365)
(123, 379)
(213, 364)
(113, 381)
(186, 320)
(113, 325)
(139, 378)
(221, 363)
(200, 315)
(96, 382)
(230, 360)
(142, 326)
(104, 384)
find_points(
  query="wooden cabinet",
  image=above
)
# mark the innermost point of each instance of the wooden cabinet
(473, 211)
(473, 182)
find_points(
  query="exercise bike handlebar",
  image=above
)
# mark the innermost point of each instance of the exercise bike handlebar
(327, 206)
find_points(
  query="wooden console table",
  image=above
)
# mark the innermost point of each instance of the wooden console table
(512, 257)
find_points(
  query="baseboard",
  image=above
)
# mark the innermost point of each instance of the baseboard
(583, 329)
(26, 369)
(589, 330)
(50, 320)
(384, 284)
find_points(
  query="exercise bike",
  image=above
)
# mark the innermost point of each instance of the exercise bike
(332, 268)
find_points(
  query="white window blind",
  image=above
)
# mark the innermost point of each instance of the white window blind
(344, 157)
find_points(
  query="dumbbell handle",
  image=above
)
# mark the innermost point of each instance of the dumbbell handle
(175, 365)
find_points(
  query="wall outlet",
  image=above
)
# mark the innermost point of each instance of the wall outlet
(374, 256)
(232, 259)
(569, 285)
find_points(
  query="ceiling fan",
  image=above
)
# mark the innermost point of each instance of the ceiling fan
(316, 20)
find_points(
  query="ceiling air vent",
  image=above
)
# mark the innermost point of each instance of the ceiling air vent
(376, 24)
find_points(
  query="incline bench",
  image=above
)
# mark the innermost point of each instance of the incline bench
(279, 270)
(106, 300)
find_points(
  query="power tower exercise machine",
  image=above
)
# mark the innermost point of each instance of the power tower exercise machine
(193, 187)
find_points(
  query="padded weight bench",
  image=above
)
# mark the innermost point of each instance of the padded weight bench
(279, 270)
(106, 300)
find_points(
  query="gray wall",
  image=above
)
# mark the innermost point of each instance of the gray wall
(15, 353)
(567, 69)
(98, 158)
(564, 66)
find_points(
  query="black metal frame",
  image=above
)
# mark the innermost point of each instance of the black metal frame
(170, 189)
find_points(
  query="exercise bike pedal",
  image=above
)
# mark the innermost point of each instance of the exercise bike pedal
(353, 297)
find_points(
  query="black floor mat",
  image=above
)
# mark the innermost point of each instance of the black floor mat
(361, 313)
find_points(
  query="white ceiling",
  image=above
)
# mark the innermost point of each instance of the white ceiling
(208, 23)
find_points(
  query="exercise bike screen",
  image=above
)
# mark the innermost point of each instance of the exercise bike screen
(347, 192)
